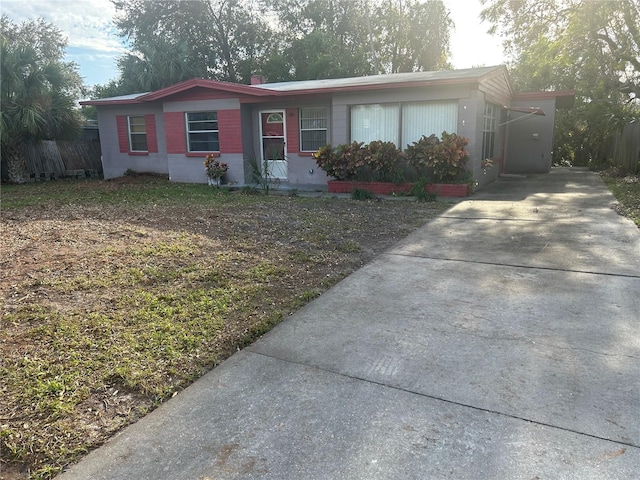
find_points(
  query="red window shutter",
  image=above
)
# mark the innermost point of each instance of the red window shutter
(293, 129)
(123, 133)
(174, 132)
(152, 137)
(230, 131)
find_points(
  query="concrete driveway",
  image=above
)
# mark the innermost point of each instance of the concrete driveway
(500, 341)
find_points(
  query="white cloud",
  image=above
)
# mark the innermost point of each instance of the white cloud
(86, 24)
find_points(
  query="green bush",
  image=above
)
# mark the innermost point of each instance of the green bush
(343, 162)
(441, 160)
(376, 162)
(382, 162)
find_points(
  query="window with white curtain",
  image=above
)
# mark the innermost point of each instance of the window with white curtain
(426, 118)
(404, 123)
(375, 122)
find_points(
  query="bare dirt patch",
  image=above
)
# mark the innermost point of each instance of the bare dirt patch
(117, 295)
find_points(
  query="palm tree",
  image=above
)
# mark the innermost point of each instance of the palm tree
(36, 92)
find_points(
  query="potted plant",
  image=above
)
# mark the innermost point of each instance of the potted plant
(215, 169)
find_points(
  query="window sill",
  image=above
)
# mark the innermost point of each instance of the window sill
(202, 154)
(139, 154)
(306, 154)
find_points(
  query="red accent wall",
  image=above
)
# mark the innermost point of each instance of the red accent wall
(230, 131)
(152, 136)
(293, 135)
(123, 133)
(174, 132)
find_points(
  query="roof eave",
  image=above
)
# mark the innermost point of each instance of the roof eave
(208, 84)
(563, 98)
(109, 102)
(377, 86)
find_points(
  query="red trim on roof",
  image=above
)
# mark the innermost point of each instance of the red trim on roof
(203, 83)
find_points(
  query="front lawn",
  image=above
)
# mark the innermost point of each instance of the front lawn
(117, 295)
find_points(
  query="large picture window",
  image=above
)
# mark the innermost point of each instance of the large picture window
(202, 132)
(426, 118)
(313, 129)
(375, 122)
(137, 134)
(403, 123)
(489, 130)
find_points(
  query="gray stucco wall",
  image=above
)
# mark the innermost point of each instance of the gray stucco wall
(191, 169)
(470, 119)
(114, 163)
(530, 140)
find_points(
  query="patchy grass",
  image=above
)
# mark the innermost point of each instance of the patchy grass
(117, 295)
(626, 189)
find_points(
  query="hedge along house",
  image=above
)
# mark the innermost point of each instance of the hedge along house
(170, 131)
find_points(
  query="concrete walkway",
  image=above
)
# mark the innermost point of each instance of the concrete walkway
(500, 341)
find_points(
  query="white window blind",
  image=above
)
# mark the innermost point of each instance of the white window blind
(426, 118)
(375, 122)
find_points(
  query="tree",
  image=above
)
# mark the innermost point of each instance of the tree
(341, 38)
(323, 38)
(284, 40)
(593, 47)
(412, 36)
(37, 92)
(175, 40)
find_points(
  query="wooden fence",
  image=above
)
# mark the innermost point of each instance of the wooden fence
(626, 148)
(50, 159)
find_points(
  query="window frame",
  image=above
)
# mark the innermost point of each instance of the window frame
(379, 110)
(402, 133)
(131, 133)
(324, 129)
(489, 130)
(188, 130)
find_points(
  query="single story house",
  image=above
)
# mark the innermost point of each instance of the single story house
(170, 131)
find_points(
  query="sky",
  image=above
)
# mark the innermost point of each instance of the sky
(94, 44)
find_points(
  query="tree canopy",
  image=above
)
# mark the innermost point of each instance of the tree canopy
(593, 47)
(231, 40)
(38, 89)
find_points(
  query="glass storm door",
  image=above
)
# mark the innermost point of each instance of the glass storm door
(272, 136)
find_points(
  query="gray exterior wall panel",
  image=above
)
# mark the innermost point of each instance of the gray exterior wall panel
(115, 163)
(530, 140)
(191, 169)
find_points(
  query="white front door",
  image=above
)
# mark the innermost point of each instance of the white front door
(273, 144)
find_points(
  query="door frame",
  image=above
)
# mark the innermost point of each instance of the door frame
(279, 168)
